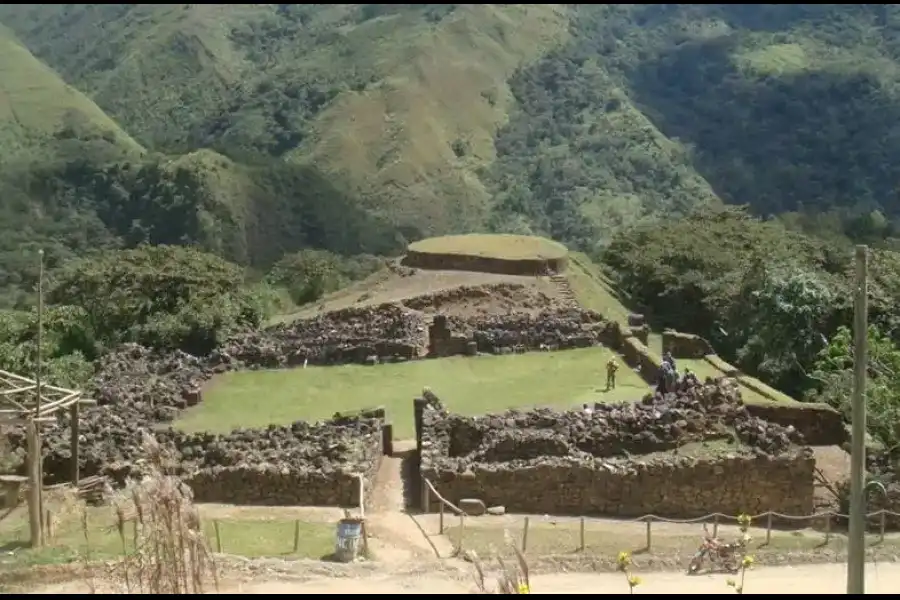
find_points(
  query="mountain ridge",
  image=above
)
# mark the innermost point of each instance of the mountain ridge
(265, 129)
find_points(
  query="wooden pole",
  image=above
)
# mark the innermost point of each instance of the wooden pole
(74, 443)
(34, 486)
(856, 550)
(37, 379)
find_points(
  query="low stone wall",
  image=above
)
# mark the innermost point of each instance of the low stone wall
(685, 345)
(518, 332)
(820, 424)
(676, 488)
(600, 462)
(460, 262)
(140, 391)
(384, 333)
(273, 485)
(639, 356)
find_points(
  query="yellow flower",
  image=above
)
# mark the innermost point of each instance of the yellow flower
(744, 521)
(623, 560)
(523, 588)
(731, 583)
(634, 580)
(748, 560)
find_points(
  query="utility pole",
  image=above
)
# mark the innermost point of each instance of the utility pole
(856, 555)
(39, 369)
(35, 460)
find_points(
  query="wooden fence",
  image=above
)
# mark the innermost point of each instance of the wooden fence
(826, 518)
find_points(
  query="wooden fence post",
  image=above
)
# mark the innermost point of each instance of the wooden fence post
(827, 527)
(716, 525)
(462, 533)
(525, 536)
(649, 521)
(441, 519)
(883, 524)
(218, 536)
(296, 536)
(769, 529)
(581, 544)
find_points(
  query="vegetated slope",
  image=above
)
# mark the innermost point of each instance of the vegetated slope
(44, 123)
(416, 120)
(781, 107)
(400, 102)
(73, 181)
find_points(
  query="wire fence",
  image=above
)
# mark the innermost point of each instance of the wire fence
(772, 520)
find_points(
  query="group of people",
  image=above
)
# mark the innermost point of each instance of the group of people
(667, 380)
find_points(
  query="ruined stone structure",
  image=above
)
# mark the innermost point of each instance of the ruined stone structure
(602, 463)
(556, 329)
(544, 461)
(139, 391)
(389, 332)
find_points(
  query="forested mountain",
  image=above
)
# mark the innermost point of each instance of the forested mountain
(255, 131)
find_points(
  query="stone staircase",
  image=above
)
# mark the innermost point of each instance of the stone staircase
(561, 282)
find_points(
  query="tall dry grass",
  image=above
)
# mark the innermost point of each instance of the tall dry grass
(164, 550)
(512, 578)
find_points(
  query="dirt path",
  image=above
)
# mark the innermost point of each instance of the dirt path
(810, 579)
(397, 537)
(807, 579)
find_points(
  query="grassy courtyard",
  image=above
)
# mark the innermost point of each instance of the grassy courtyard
(476, 385)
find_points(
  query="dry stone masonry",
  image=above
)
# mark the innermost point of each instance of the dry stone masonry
(388, 332)
(141, 391)
(608, 460)
(551, 329)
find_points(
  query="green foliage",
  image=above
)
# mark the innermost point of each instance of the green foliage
(66, 345)
(161, 296)
(763, 294)
(833, 373)
(779, 315)
(310, 274)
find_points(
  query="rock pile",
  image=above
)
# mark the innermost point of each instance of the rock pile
(607, 460)
(660, 422)
(550, 329)
(138, 390)
(389, 332)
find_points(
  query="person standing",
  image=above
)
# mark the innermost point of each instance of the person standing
(612, 365)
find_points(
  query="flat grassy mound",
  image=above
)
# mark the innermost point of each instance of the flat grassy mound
(490, 253)
(467, 385)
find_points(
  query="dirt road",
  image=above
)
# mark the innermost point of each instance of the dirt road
(808, 579)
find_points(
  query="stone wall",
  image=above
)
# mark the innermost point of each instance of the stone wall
(140, 391)
(676, 488)
(685, 345)
(460, 262)
(553, 329)
(602, 462)
(820, 424)
(383, 333)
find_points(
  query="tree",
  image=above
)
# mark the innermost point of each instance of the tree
(161, 296)
(310, 274)
(780, 318)
(66, 346)
(833, 374)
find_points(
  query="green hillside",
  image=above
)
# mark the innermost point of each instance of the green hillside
(256, 131)
(575, 121)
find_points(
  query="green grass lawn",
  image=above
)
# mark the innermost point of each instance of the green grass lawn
(468, 385)
(503, 246)
(252, 538)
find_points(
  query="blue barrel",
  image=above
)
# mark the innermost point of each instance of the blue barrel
(349, 534)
